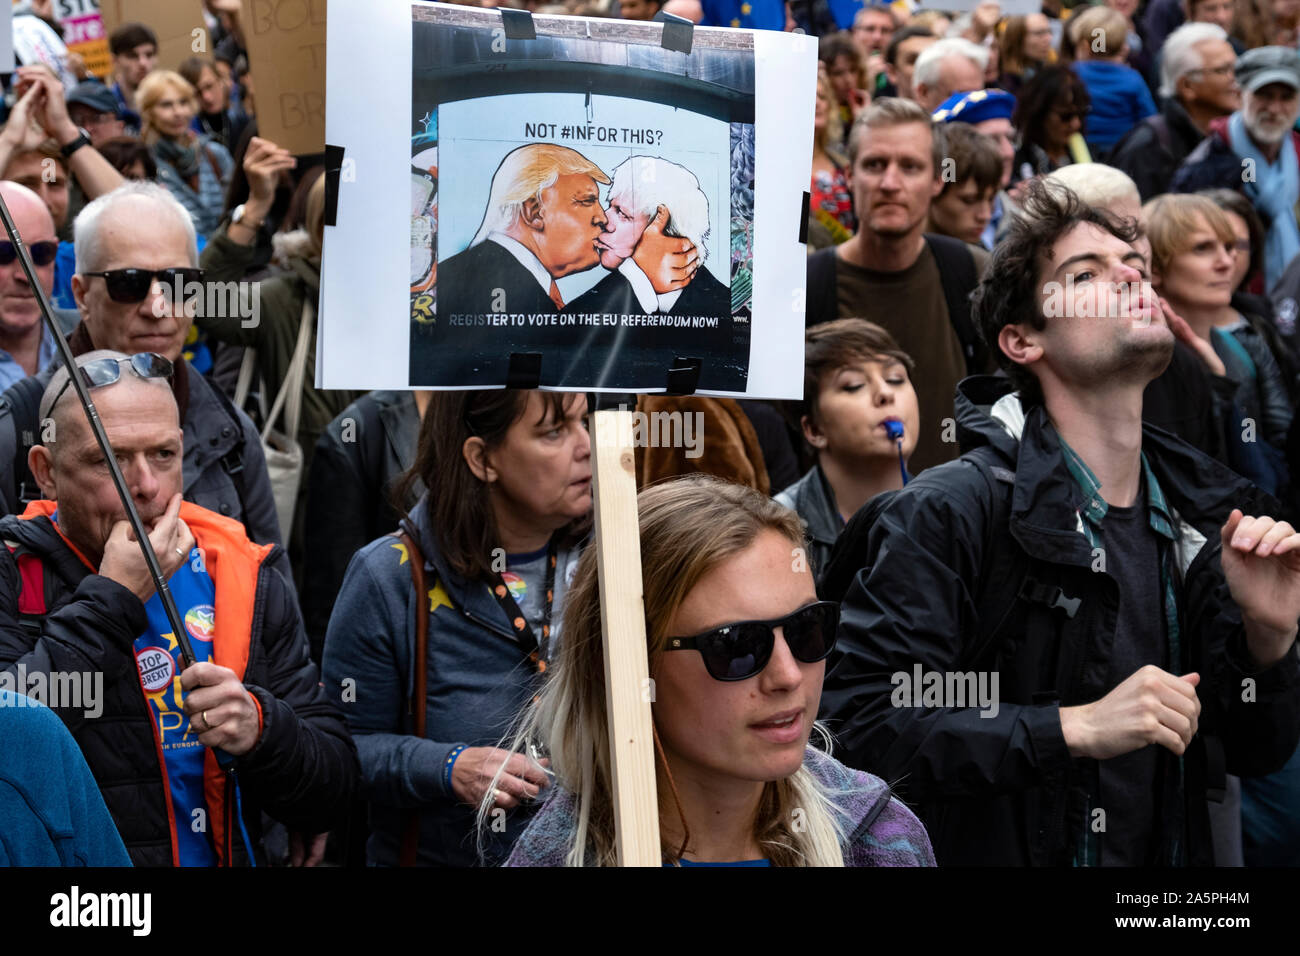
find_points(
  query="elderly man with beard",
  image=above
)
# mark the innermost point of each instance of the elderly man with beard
(1256, 151)
(1122, 587)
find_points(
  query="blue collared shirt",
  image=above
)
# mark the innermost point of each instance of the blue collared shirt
(11, 372)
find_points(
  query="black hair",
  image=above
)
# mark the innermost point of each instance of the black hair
(129, 36)
(1009, 293)
(1041, 94)
(907, 33)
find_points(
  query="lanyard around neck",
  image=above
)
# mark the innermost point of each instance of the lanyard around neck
(537, 645)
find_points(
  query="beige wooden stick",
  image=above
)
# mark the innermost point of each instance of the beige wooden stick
(627, 679)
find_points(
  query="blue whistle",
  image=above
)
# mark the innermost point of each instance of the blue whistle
(894, 429)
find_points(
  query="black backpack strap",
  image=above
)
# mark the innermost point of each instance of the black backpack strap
(1160, 126)
(233, 462)
(1005, 568)
(957, 273)
(22, 400)
(821, 301)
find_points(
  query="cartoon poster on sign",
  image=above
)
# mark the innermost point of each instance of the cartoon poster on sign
(602, 223)
(584, 208)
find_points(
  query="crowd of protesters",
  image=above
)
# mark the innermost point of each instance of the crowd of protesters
(1016, 582)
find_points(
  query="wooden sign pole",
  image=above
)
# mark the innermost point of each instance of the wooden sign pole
(622, 617)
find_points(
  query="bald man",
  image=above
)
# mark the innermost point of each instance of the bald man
(76, 597)
(26, 346)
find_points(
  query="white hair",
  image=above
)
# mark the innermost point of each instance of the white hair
(1179, 55)
(86, 229)
(648, 182)
(926, 72)
(1096, 183)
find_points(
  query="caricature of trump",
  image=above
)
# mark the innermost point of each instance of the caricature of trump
(543, 221)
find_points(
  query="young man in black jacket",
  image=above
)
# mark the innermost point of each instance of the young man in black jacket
(1125, 633)
(77, 602)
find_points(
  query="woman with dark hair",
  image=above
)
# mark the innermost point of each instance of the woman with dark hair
(1248, 269)
(1049, 115)
(860, 418)
(214, 117)
(492, 544)
(130, 157)
(848, 75)
(1255, 318)
(1024, 47)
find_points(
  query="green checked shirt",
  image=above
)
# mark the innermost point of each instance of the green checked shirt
(1091, 513)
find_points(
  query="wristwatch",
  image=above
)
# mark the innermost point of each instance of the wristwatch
(83, 139)
(238, 217)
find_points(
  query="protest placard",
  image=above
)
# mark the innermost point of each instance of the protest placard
(652, 144)
(286, 54)
(1010, 8)
(34, 41)
(178, 24)
(83, 32)
(560, 172)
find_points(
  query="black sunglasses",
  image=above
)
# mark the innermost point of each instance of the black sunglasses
(43, 253)
(741, 650)
(106, 371)
(132, 285)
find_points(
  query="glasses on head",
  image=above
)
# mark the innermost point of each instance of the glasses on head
(739, 651)
(106, 371)
(130, 286)
(43, 253)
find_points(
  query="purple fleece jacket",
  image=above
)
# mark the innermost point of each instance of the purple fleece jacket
(880, 830)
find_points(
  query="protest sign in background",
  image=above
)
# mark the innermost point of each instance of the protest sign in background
(83, 32)
(6, 38)
(286, 54)
(34, 41)
(1010, 8)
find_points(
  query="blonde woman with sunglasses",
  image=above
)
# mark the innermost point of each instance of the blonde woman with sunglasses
(737, 650)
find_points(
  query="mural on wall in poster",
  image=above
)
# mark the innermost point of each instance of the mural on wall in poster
(588, 201)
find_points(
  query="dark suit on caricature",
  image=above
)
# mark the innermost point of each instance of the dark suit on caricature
(615, 294)
(468, 283)
(542, 222)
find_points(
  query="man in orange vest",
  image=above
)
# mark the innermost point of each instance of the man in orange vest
(76, 598)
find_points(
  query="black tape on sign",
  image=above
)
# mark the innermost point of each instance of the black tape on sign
(803, 216)
(684, 376)
(602, 401)
(679, 33)
(525, 370)
(518, 24)
(333, 169)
